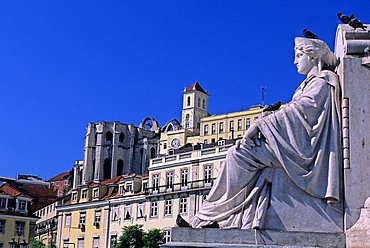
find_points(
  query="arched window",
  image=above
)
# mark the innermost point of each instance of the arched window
(119, 167)
(152, 153)
(198, 102)
(204, 104)
(169, 127)
(188, 100)
(107, 169)
(121, 137)
(108, 136)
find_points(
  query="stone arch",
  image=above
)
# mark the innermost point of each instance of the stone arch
(174, 122)
(149, 123)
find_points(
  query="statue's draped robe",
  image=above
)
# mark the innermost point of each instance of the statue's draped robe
(303, 138)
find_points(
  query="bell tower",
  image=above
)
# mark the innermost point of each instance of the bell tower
(194, 107)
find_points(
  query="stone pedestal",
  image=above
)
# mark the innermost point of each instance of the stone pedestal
(189, 237)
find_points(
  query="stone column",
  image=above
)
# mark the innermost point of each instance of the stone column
(354, 74)
(88, 172)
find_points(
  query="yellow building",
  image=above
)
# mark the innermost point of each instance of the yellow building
(228, 126)
(97, 212)
(16, 220)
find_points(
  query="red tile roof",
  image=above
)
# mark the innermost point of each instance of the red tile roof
(195, 86)
(59, 177)
(6, 189)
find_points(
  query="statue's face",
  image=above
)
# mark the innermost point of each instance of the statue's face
(303, 62)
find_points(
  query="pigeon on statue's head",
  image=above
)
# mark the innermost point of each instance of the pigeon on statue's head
(345, 19)
(309, 35)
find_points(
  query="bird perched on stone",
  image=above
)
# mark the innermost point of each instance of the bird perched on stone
(355, 23)
(308, 34)
(367, 50)
(345, 19)
(272, 107)
(180, 222)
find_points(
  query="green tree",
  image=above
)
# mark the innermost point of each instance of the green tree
(134, 237)
(35, 243)
(153, 238)
(131, 237)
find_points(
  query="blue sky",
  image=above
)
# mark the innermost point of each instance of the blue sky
(66, 63)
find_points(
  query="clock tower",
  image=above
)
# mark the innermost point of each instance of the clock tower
(194, 108)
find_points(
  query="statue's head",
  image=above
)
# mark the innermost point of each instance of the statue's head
(312, 53)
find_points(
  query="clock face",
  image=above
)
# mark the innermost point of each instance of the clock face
(175, 143)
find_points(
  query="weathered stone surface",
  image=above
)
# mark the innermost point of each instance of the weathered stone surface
(354, 74)
(188, 237)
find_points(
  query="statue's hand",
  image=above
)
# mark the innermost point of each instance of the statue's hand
(250, 138)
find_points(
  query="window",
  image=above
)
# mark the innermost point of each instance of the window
(83, 193)
(19, 228)
(184, 179)
(109, 137)
(183, 205)
(3, 202)
(67, 220)
(168, 207)
(231, 126)
(205, 141)
(156, 182)
(206, 129)
(82, 220)
(97, 217)
(22, 205)
(213, 128)
(188, 100)
(57, 183)
(140, 210)
(65, 243)
(129, 188)
(221, 127)
(145, 186)
(2, 226)
(247, 123)
(255, 118)
(164, 145)
(80, 243)
(204, 104)
(95, 242)
(239, 124)
(167, 236)
(121, 138)
(121, 189)
(113, 239)
(74, 196)
(127, 212)
(207, 175)
(115, 213)
(154, 209)
(95, 193)
(169, 181)
(198, 102)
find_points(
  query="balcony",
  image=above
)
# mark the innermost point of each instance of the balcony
(180, 187)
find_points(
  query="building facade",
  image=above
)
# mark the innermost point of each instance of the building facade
(16, 220)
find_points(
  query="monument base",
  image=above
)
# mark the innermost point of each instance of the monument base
(190, 237)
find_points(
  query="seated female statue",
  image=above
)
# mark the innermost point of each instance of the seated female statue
(303, 139)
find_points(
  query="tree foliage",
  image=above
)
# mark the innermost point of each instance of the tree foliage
(35, 243)
(135, 237)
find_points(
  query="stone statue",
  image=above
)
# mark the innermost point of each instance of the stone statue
(303, 139)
